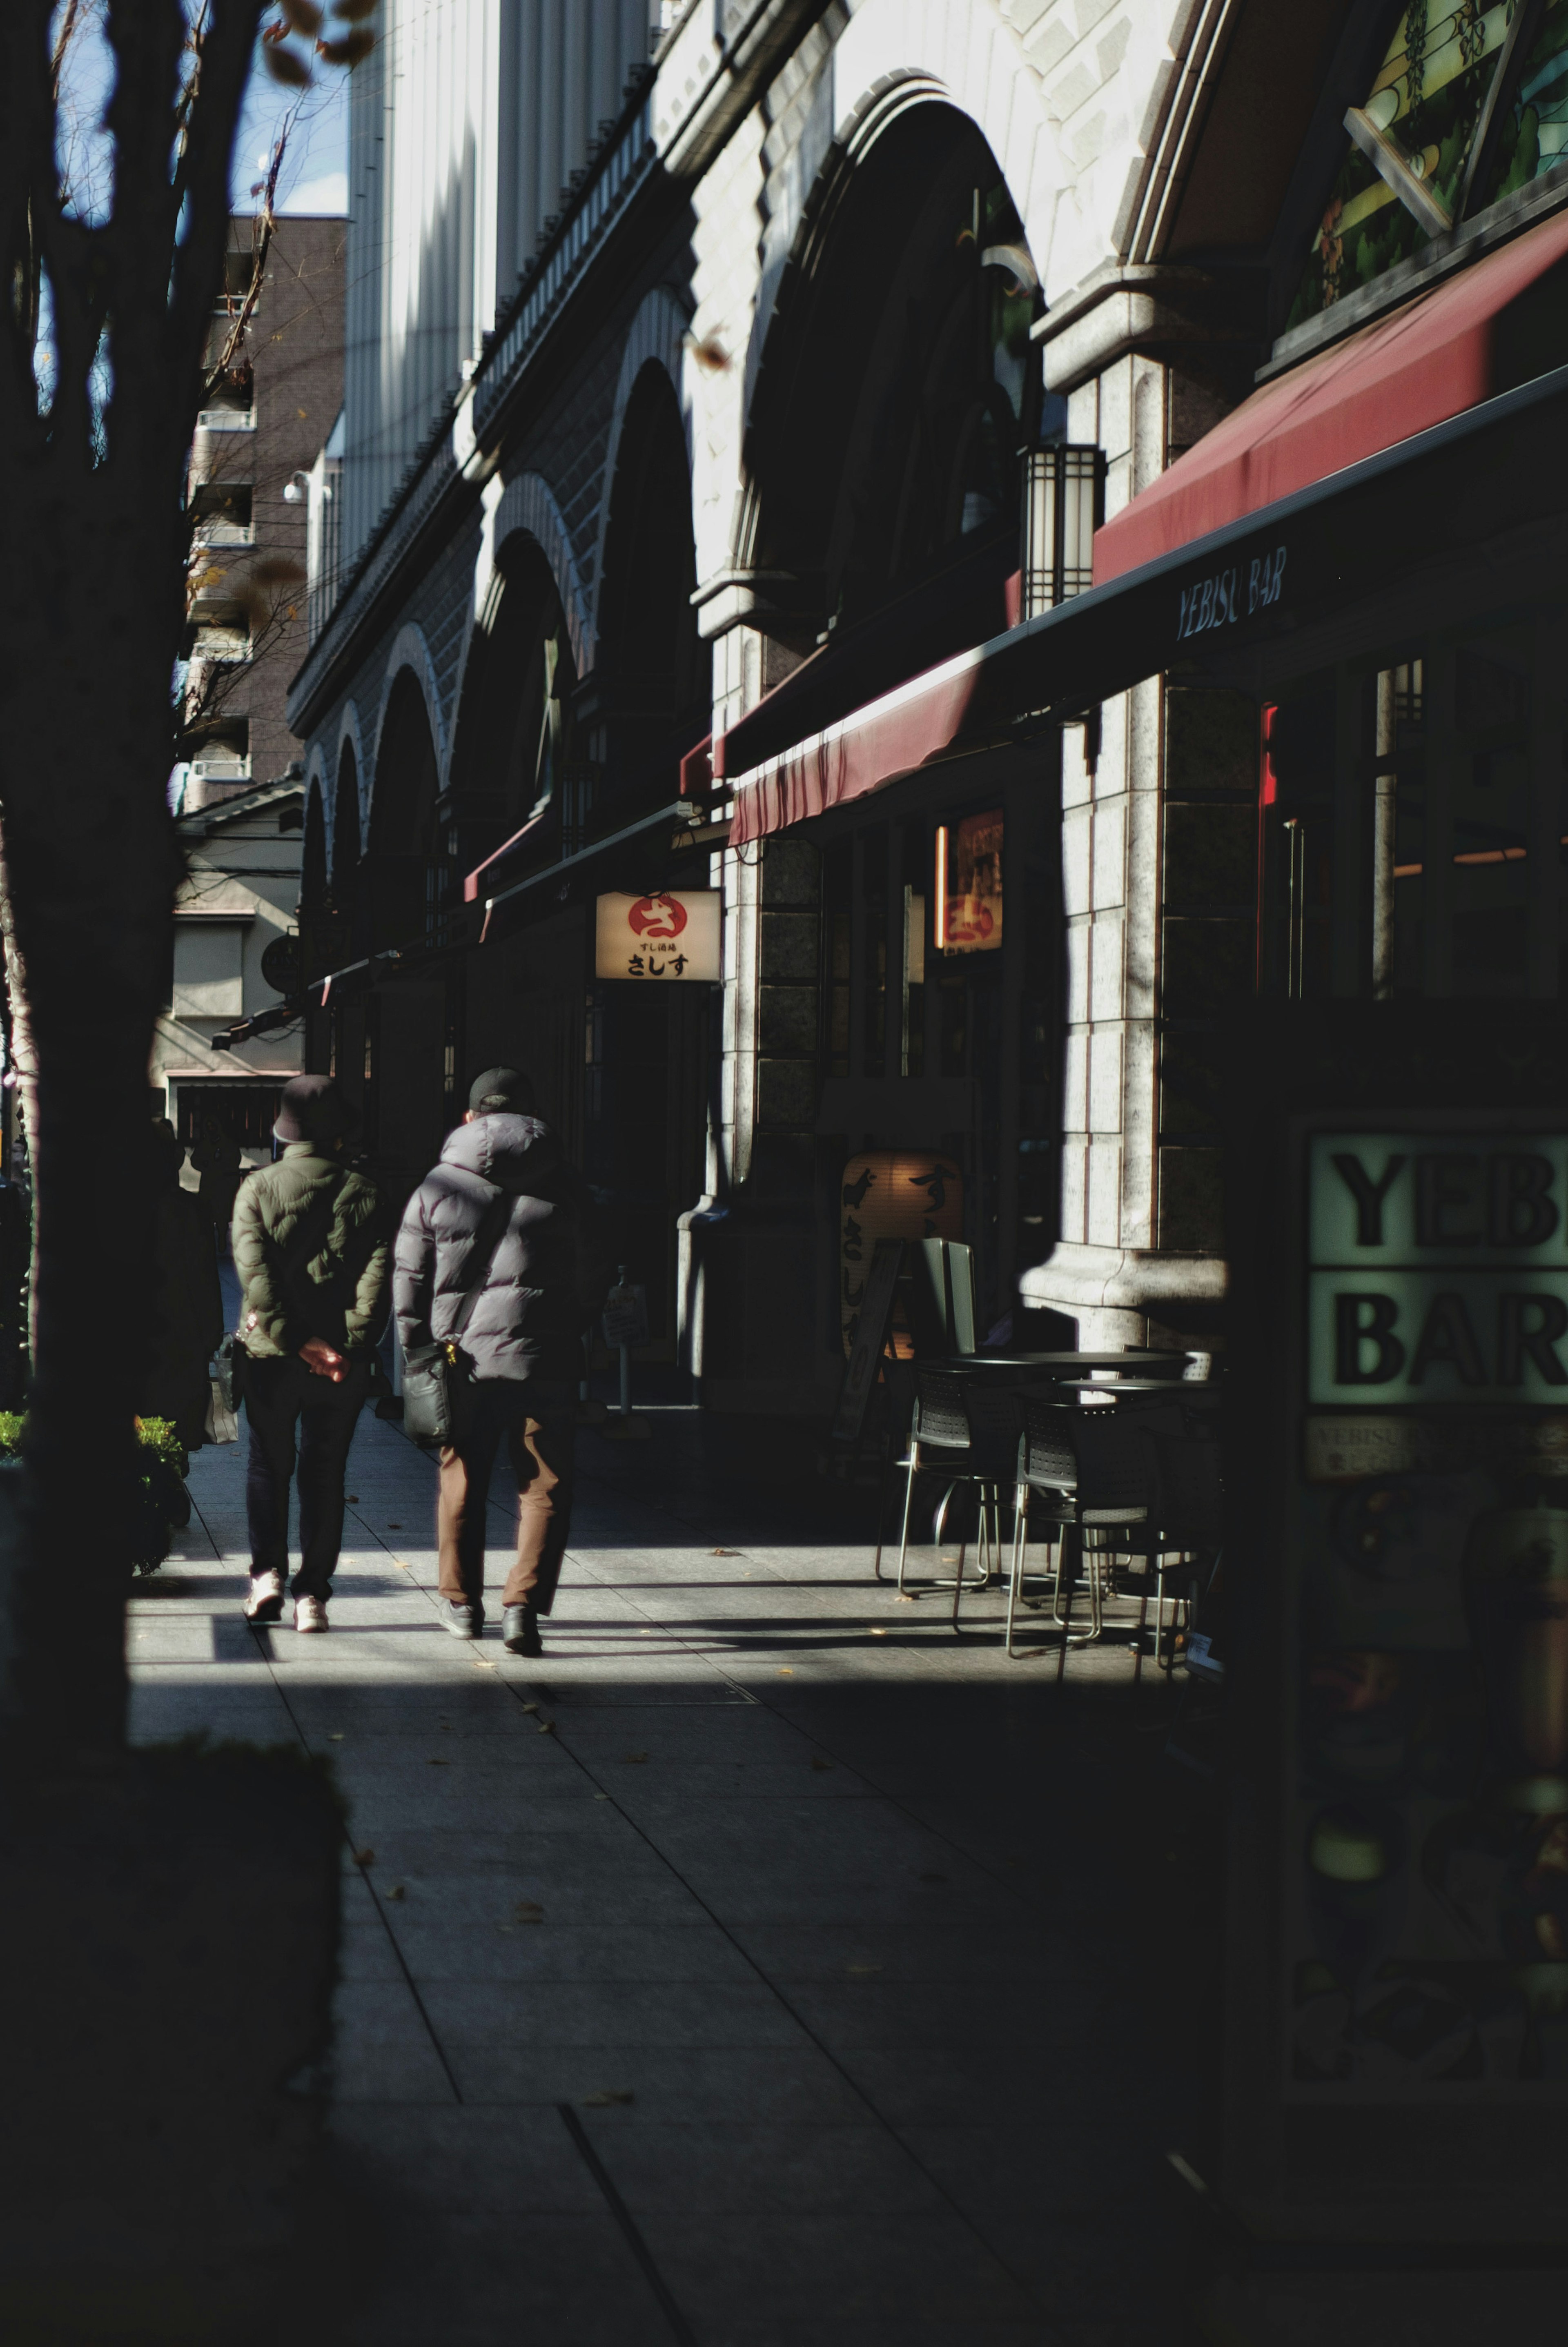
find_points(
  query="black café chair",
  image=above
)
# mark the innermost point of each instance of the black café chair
(957, 1431)
(1181, 1543)
(1087, 1471)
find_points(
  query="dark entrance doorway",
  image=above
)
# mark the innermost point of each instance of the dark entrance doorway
(646, 1131)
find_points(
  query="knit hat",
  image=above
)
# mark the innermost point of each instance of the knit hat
(501, 1090)
(312, 1109)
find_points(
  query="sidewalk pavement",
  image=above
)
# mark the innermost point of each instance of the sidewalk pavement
(765, 1966)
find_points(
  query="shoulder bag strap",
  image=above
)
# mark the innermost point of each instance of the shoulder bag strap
(479, 1257)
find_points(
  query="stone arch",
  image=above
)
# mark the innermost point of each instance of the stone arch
(653, 672)
(966, 52)
(887, 296)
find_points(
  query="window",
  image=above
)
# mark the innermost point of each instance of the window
(1467, 105)
(220, 750)
(222, 514)
(1414, 816)
(1533, 126)
(208, 981)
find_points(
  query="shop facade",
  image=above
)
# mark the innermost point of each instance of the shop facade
(672, 601)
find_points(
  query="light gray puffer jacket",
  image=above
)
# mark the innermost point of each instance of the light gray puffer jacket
(545, 1279)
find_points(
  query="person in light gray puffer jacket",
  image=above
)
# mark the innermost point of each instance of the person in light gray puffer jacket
(544, 1282)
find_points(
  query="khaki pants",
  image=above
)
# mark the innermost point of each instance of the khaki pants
(539, 1426)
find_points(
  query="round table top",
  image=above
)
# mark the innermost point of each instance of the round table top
(1183, 1386)
(1068, 1363)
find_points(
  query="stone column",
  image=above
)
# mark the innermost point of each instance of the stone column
(1114, 1269)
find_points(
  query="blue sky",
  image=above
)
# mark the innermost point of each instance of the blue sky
(314, 177)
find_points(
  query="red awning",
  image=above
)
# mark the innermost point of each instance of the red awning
(1430, 360)
(890, 737)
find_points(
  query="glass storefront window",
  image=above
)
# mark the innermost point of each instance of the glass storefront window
(912, 1050)
(838, 894)
(1491, 884)
(1414, 821)
(1398, 944)
(1298, 868)
(872, 847)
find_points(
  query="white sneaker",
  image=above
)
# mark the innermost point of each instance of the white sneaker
(310, 1613)
(265, 1602)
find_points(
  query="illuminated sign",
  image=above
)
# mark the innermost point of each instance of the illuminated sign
(663, 938)
(969, 884)
(1438, 1269)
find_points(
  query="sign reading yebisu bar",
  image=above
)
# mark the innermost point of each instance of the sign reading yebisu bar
(1437, 1268)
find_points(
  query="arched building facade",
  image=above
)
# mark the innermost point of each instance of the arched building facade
(750, 449)
(1037, 526)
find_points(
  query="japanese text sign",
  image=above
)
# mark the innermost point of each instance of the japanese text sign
(663, 938)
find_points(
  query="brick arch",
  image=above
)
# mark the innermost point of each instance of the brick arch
(349, 736)
(528, 504)
(313, 865)
(656, 338)
(411, 650)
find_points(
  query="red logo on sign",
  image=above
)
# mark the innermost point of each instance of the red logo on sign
(657, 916)
(966, 928)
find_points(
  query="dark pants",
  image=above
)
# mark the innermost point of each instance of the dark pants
(278, 1394)
(538, 1423)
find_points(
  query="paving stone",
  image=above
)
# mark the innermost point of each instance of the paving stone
(811, 1899)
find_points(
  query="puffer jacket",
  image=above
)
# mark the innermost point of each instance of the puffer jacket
(340, 1293)
(545, 1279)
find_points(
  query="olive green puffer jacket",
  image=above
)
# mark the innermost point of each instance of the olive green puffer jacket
(341, 1294)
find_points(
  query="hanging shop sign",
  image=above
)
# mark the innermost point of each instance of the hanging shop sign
(969, 884)
(667, 937)
(892, 1193)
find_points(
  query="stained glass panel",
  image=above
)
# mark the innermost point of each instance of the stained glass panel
(1534, 135)
(1415, 128)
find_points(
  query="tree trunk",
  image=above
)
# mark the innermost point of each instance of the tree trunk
(24, 1053)
(90, 903)
(92, 608)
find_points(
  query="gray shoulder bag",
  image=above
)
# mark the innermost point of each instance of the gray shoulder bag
(435, 1379)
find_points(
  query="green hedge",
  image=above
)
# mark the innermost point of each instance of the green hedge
(163, 1502)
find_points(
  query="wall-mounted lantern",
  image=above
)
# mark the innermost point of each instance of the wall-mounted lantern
(1063, 506)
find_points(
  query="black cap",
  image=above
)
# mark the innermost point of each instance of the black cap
(312, 1109)
(501, 1091)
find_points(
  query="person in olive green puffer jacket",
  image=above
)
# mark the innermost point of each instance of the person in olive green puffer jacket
(311, 1247)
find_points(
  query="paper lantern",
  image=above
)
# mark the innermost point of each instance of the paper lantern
(892, 1193)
